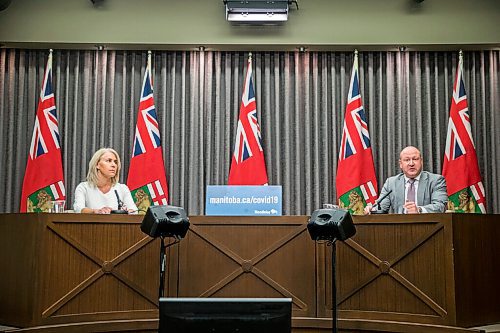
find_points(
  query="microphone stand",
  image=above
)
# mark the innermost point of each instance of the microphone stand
(120, 209)
(377, 203)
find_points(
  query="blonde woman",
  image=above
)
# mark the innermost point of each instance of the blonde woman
(102, 193)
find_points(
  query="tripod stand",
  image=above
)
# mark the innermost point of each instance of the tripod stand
(163, 263)
(333, 244)
(331, 225)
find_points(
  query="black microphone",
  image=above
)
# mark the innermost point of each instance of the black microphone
(120, 203)
(377, 203)
(120, 209)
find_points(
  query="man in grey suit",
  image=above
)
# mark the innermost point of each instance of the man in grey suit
(414, 190)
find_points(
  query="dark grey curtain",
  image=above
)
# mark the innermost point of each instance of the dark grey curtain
(301, 102)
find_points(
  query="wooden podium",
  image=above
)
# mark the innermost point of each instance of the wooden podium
(399, 273)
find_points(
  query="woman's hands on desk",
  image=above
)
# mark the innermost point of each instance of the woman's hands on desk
(107, 210)
(103, 210)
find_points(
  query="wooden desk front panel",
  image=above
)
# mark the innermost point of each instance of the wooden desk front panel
(99, 267)
(249, 257)
(476, 248)
(77, 267)
(394, 268)
(65, 268)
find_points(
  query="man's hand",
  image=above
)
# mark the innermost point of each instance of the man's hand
(411, 207)
(368, 209)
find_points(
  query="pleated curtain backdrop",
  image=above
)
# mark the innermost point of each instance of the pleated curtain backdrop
(301, 101)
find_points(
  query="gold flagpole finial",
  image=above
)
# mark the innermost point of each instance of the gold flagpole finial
(149, 64)
(355, 52)
(249, 55)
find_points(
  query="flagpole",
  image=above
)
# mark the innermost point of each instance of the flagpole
(49, 61)
(149, 68)
(149, 62)
(460, 60)
(249, 62)
(48, 67)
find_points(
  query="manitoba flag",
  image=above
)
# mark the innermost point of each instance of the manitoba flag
(248, 166)
(356, 181)
(44, 177)
(146, 177)
(460, 167)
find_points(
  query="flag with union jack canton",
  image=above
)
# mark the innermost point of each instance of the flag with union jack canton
(146, 176)
(44, 177)
(248, 166)
(356, 181)
(460, 167)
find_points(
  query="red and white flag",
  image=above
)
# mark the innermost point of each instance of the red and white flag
(356, 181)
(460, 167)
(44, 177)
(146, 176)
(248, 166)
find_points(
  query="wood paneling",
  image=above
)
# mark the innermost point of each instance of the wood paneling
(429, 268)
(395, 269)
(65, 268)
(476, 260)
(249, 257)
(399, 273)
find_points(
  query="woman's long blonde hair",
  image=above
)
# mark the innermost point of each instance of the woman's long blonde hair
(92, 175)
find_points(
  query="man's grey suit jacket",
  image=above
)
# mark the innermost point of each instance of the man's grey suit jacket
(431, 193)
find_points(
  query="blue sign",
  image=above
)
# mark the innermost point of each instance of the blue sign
(231, 200)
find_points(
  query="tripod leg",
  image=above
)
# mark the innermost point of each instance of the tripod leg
(334, 289)
(163, 263)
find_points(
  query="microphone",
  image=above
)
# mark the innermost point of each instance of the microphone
(120, 209)
(120, 203)
(377, 203)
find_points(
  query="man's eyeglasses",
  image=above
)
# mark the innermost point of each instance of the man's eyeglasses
(408, 160)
